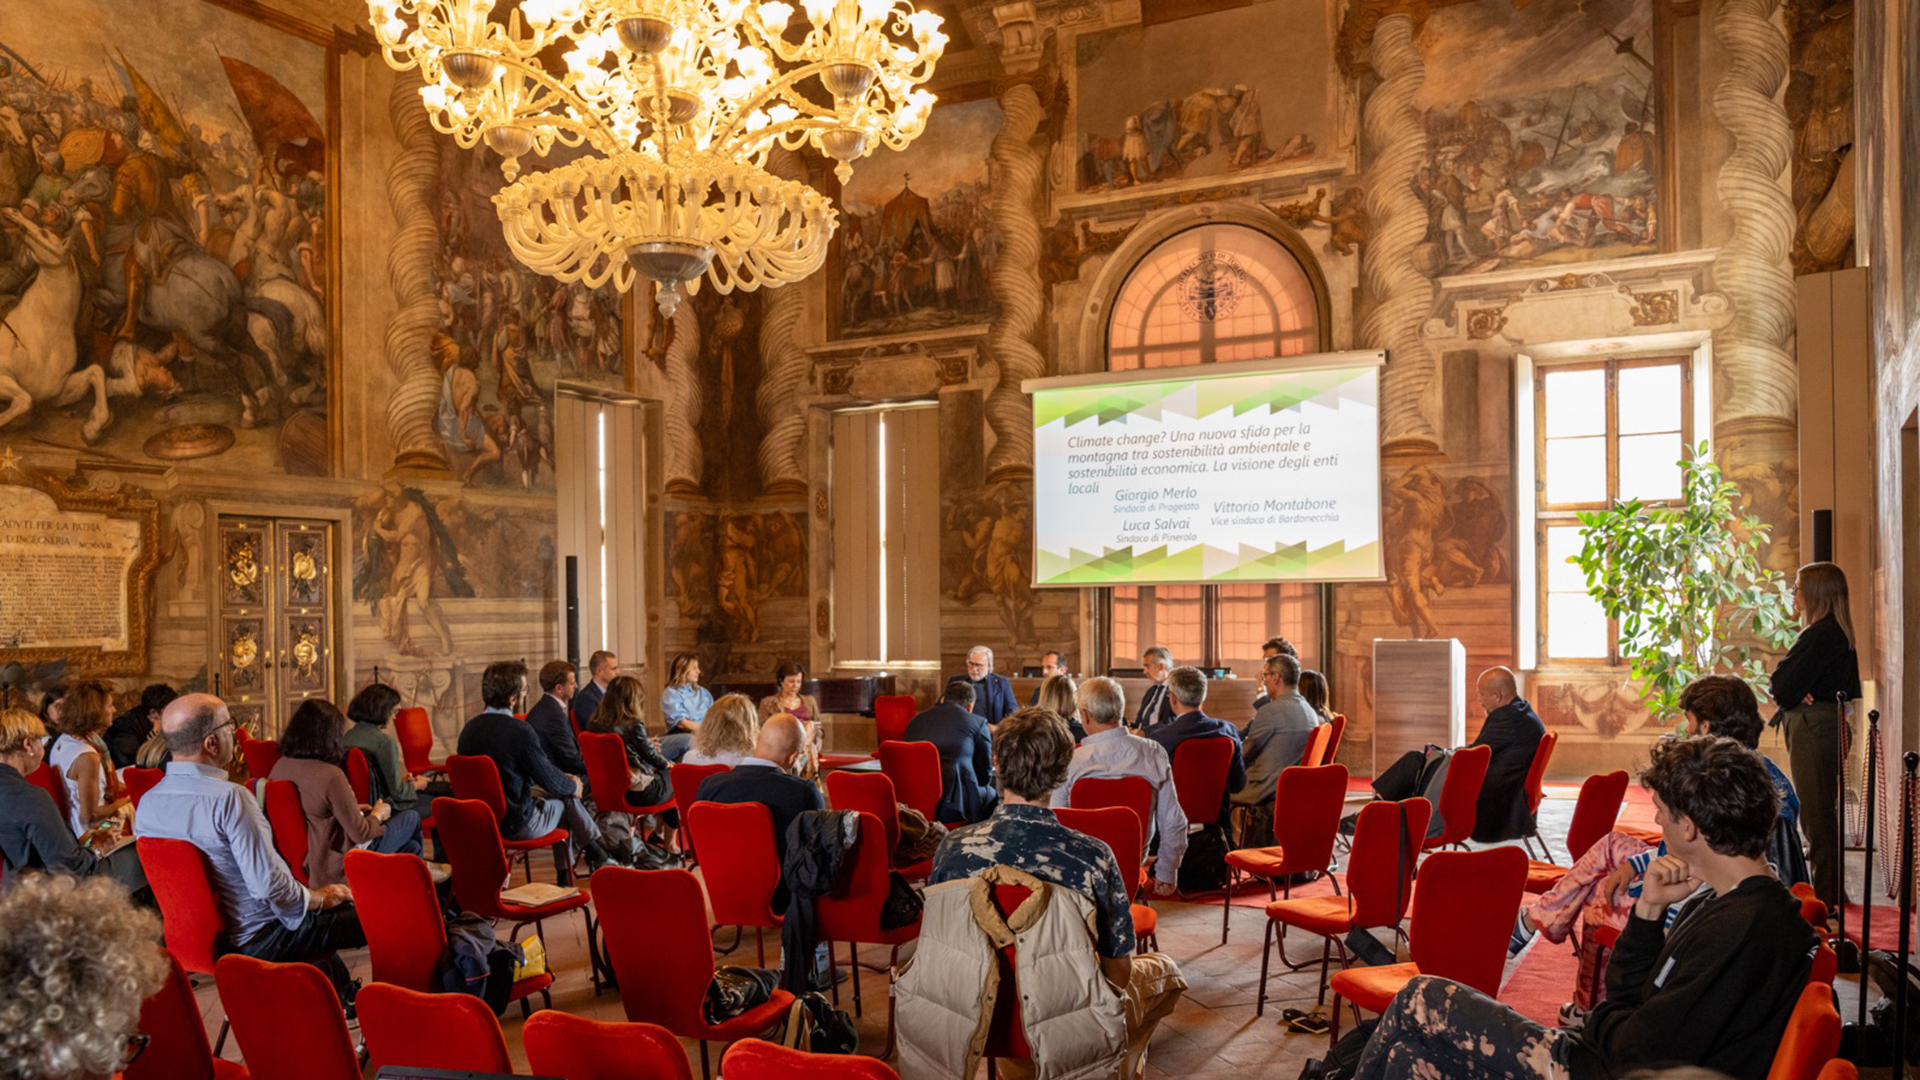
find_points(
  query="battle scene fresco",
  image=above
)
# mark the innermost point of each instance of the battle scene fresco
(164, 235)
(1543, 130)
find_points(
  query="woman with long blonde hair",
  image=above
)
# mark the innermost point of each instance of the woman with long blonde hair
(1056, 696)
(1810, 685)
(727, 732)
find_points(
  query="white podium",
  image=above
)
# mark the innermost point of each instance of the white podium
(1419, 696)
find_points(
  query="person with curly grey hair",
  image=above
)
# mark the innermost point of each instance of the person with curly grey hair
(77, 958)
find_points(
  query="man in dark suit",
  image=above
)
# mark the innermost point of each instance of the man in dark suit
(967, 790)
(1188, 689)
(604, 667)
(1514, 731)
(1272, 647)
(992, 694)
(1051, 664)
(767, 778)
(550, 721)
(1156, 705)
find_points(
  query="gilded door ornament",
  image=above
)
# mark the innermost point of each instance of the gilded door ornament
(241, 563)
(276, 618)
(245, 667)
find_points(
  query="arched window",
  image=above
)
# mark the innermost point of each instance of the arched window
(1215, 292)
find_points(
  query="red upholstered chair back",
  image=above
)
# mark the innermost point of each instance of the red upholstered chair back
(741, 863)
(47, 780)
(851, 912)
(261, 755)
(410, 1029)
(891, 713)
(470, 837)
(140, 781)
(1537, 772)
(1114, 826)
(1132, 792)
(1595, 811)
(1840, 1069)
(607, 776)
(1464, 904)
(757, 1059)
(1812, 1037)
(475, 776)
(686, 781)
(654, 924)
(177, 1045)
(1338, 728)
(287, 1020)
(914, 768)
(575, 1048)
(414, 731)
(1006, 1036)
(1306, 814)
(190, 914)
(1317, 742)
(281, 800)
(359, 775)
(1826, 965)
(870, 792)
(1200, 776)
(1386, 847)
(406, 933)
(1460, 795)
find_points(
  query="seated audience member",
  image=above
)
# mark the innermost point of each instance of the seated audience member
(602, 668)
(1714, 989)
(786, 698)
(767, 778)
(550, 719)
(622, 712)
(1156, 705)
(683, 704)
(1110, 750)
(966, 753)
(540, 797)
(1275, 740)
(268, 914)
(1188, 689)
(1057, 696)
(32, 834)
(1051, 664)
(992, 694)
(726, 734)
(1514, 732)
(76, 963)
(313, 751)
(50, 710)
(131, 729)
(1270, 648)
(940, 1016)
(1313, 687)
(94, 793)
(372, 711)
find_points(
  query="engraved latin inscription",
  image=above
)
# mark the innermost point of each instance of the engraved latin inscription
(63, 574)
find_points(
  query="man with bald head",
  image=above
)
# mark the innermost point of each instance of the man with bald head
(1514, 731)
(767, 778)
(267, 913)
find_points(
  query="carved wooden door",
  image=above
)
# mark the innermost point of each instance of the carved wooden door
(277, 623)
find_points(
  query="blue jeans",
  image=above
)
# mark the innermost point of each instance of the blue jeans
(402, 835)
(675, 746)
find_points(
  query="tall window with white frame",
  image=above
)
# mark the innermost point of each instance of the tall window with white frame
(1606, 431)
(1217, 292)
(885, 496)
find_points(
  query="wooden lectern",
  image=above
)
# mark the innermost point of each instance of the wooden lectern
(1419, 696)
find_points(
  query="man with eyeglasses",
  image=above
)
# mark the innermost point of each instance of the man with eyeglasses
(267, 913)
(992, 694)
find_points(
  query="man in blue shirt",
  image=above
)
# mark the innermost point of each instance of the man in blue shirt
(1187, 689)
(992, 694)
(603, 667)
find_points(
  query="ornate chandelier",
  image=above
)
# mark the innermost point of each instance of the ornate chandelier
(676, 105)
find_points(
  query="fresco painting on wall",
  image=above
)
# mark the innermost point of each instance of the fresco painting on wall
(1188, 99)
(1542, 126)
(987, 551)
(727, 565)
(176, 155)
(917, 239)
(1441, 537)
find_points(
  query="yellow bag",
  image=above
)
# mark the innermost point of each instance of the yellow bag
(533, 953)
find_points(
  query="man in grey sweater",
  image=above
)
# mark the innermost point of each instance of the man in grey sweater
(1275, 740)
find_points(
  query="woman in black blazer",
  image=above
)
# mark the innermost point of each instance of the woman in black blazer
(1819, 671)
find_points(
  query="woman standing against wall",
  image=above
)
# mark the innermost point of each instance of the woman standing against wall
(1820, 669)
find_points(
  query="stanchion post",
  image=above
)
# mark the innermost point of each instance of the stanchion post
(1866, 888)
(1840, 824)
(1912, 761)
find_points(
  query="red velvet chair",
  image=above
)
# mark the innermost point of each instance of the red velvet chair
(1840, 1069)
(1200, 769)
(1119, 829)
(686, 781)
(1132, 792)
(1464, 904)
(477, 777)
(575, 1048)
(286, 1019)
(359, 775)
(657, 945)
(1536, 789)
(1386, 843)
(891, 715)
(177, 1047)
(851, 911)
(406, 930)
(1306, 820)
(1594, 813)
(190, 916)
(47, 780)
(914, 768)
(140, 781)
(261, 755)
(413, 730)
(1317, 743)
(757, 1059)
(605, 756)
(1339, 729)
(409, 1029)
(742, 867)
(471, 840)
(873, 793)
(1812, 1037)
(1006, 1035)
(1460, 796)
(281, 801)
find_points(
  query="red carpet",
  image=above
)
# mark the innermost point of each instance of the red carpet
(1886, 923)
(1543, 982)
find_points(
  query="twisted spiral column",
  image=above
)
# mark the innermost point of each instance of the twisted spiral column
(685, 458)
(1396, 145)
(409, 333)
(783, 370)
(1015, 279)
(1756, 377)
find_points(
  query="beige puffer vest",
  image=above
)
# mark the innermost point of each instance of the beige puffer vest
(1074, 1019)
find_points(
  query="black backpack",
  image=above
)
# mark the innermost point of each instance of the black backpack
(476, 962)
(1344, 1059)
(815, 1026)
(1204, 867)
